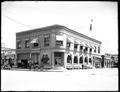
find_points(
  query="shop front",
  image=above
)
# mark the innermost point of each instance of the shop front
(58, 59)
(23, 59)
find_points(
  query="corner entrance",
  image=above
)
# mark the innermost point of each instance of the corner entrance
(59, 59)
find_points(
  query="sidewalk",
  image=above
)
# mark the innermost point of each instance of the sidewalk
(37, 70)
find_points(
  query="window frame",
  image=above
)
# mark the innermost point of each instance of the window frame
(95, 49)
(75, 46)
(68, 44)
(19, 44)
(98, 49)
(26, 44)
(59, 44)
(46, 40)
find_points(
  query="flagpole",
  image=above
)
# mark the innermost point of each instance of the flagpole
(91, 25)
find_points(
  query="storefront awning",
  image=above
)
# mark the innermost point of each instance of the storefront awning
(76, 42)
(92, 46)
(59, 37)
(87, 45)
(69, 40)
(35, 40)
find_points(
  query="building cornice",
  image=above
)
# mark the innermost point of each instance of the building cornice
(58, 27)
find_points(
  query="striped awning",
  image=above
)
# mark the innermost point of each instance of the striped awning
(69, 40)
(85, 44)
(77, 42)
(35, 40)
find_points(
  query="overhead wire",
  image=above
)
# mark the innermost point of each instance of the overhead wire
(17, 21)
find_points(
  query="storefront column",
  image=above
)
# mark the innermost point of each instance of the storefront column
(83, 59)
(91, 60)
(83, 55)
(105, 64)
(94, 62)
(39, 59)
(72, 59)
(88, 59)
(65, 59)
(16, 60)
(109, 63)
(52, 59)
(88, 51)
(78, 59)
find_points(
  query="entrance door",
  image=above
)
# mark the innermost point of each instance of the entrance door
(59, 58)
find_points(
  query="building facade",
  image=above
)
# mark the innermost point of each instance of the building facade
(58, 46)
(109, 60)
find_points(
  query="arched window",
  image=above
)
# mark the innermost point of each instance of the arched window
(90, 60)
(45, 59)
(86, 60)
(81, 59)
(75, 59)
(69, 59)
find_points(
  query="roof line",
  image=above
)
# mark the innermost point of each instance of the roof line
(60, 26)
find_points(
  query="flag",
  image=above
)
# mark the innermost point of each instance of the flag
(91, 25)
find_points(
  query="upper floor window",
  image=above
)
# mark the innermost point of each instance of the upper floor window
(98, 49)
(27, 44)
(86, 49)
(46, 39)
(81, 47)
(59, 43)
(75, 46)
(59, 39)
(18, 44)
(90, 49)
(68, 44)
(95, 49)
(35, 43)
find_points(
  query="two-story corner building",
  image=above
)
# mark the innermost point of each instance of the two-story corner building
(58, 46)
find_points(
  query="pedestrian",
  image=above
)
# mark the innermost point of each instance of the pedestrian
(30, 64)
(10, 62)
(82, 66)
(41, 65)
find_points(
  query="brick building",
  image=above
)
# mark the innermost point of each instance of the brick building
(58, 46)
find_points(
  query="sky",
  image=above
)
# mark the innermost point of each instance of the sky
(18, 16)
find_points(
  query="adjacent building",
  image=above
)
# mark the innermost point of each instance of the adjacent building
(7, 53)
(114, 58)
(58, 46)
